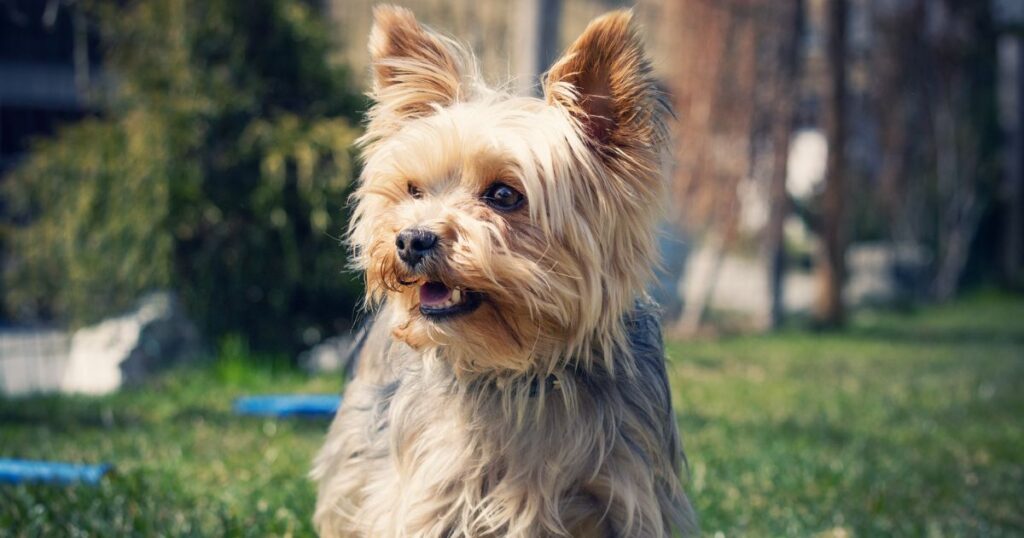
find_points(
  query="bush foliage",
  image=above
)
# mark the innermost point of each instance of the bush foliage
(218, 167)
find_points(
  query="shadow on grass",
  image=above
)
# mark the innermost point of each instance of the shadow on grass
(139, 503)
(52, 412)
(974, 336)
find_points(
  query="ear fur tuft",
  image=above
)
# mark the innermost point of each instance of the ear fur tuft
(414, 69)
(604, 80)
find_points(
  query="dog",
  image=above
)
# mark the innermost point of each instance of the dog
(513, 380)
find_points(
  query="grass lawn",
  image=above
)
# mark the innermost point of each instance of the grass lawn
(907, 425)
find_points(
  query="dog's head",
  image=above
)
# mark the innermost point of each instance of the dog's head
(510, 234)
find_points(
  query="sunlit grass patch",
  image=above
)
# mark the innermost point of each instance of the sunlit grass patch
(904, 424)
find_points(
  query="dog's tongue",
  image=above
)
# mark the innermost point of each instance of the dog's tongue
(434, 293)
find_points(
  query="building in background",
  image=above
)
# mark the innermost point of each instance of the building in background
(49, 65)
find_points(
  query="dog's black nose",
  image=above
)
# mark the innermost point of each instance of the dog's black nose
(414, 244)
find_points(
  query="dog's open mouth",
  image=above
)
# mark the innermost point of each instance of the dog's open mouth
(438, 301)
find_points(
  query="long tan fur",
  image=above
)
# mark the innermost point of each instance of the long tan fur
(533, 415)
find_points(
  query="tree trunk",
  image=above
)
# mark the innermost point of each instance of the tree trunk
(536, 41)
(713, 93)
(707, 265)
(956, 178)
(1013, 184)
(785, 101)
(80, 50)
(829, 311)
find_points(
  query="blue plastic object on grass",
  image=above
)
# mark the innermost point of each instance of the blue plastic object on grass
(52, 472)
(291, 405)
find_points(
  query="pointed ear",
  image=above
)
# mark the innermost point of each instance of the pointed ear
(605, 82)
(414, 69)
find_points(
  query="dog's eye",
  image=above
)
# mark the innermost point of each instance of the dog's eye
(414, 191)
(503, 198)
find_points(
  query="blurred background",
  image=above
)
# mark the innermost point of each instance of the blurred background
(844, 250)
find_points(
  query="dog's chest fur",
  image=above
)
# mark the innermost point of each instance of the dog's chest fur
(415, 452)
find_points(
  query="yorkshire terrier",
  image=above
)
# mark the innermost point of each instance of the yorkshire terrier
(513, 381)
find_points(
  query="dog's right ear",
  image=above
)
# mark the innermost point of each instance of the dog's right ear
(414, 69)
(604, 80)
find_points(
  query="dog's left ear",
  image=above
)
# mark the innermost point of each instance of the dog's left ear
(605, 82)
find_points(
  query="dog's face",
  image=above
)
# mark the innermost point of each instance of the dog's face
(510, 234)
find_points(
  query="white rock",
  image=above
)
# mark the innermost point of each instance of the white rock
(128, 348)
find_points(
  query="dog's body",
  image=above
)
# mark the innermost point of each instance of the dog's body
(513, 382)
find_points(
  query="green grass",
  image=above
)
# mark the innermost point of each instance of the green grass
(905, 425)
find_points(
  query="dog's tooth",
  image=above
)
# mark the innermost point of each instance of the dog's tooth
(456, 296)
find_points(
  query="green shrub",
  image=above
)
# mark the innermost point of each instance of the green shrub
(219, 167)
